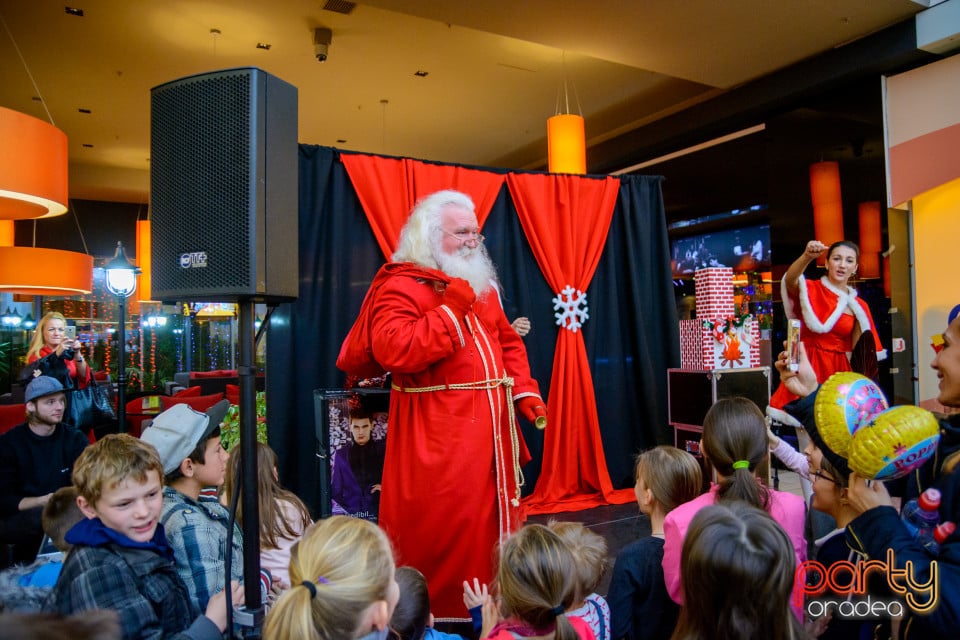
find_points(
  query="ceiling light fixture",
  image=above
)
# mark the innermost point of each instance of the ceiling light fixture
(827, 204)
(566, 141)
(33, 184)
(143, 257)
(33, 167)
(871, 239)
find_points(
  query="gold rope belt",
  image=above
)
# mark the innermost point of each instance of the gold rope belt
(485, 385)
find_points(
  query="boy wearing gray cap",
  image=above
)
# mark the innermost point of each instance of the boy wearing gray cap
(196, 526)
(36, 459)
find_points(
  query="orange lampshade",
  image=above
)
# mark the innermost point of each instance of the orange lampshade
(566, 144)
(871, 239)
(143, 260)
(45, 272)
(827, 203)
(6, 233)
(33, 167)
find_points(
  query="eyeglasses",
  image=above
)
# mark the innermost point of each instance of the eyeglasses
(818, 473)
(466, 236)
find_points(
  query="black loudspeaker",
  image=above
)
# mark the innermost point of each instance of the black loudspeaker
(223, 188)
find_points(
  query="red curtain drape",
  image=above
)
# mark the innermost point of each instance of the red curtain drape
(566, 220)
(389, 187)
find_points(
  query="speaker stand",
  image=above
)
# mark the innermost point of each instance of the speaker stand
(252, 614)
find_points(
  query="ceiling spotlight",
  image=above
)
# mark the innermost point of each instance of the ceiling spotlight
(322, 37)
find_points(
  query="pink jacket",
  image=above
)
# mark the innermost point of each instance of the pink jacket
(786, 508)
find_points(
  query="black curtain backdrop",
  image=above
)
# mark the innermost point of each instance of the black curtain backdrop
(631, 336)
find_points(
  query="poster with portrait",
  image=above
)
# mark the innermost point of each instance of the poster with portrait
(356, 430)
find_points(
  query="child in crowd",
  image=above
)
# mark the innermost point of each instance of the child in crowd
(412, 619)
(343, 586)
(738, 573)
(196, 527)
(25, 588)
(283, 516)
(120, 558)
(829, 476)
(590, 554)
(59, 515)
(537, 583)
(640, 607)
(735, 443)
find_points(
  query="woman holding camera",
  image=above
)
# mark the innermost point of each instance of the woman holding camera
(53, 353)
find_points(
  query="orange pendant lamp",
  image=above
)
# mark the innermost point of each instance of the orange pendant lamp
(143, 259)
(33, 167)
(870, 239)
(827, 203)
(33, 184)
(566, 144)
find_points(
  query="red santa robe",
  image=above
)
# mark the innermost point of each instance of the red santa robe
(826, 333)
(451, 477)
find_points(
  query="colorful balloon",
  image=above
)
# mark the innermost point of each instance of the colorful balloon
(894, 443)
(845, 403)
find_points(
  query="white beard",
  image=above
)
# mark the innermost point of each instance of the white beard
(473, 265)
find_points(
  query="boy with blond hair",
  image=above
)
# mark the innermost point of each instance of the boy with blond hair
(120, 559)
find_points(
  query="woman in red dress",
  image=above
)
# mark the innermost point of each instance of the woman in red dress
(832, 316)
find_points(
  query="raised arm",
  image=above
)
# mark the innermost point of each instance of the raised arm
(792, 276)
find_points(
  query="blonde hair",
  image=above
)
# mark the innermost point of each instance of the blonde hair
(269, 494)
(36, 342)
(349, 564)
(589, 553)
(110, 461)
(672, 475)
(537, 579)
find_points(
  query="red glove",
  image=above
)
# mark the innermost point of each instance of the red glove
(531, 408)
(459, 296)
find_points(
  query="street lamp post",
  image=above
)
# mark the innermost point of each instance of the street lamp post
(121, 282)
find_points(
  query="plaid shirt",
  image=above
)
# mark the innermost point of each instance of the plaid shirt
(140, 585)
(197, 533)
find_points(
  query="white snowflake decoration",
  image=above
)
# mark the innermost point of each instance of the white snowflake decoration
(571, 307)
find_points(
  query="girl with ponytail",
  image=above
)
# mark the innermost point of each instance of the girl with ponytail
(735, 446)
(343, 585)
(536, 582)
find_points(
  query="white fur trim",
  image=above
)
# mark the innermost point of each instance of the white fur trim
(787, 300)
(783, 417)
(528, 394)
(810, 318)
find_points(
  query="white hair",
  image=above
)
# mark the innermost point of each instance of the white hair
(420, 236)
(420, 241)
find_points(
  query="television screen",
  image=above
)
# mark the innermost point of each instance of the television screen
(744, 249)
